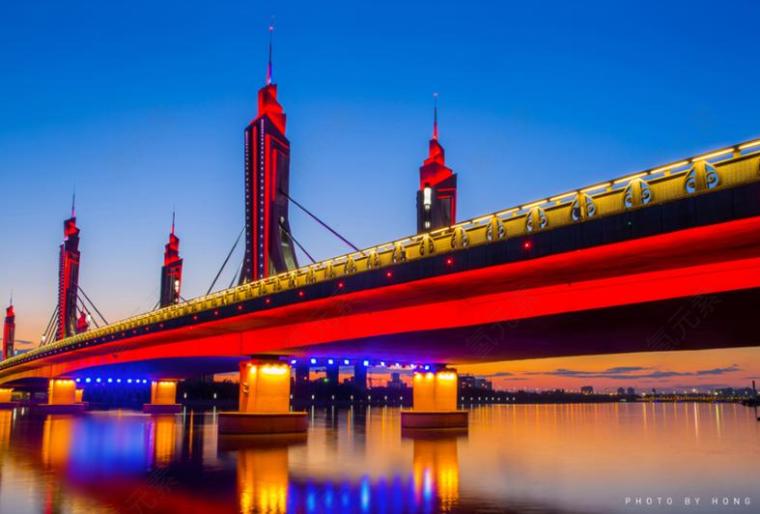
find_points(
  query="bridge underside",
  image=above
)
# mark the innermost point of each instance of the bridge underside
(690, 289)
(720, 320)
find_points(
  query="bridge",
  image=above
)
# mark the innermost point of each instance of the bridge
(667, 258)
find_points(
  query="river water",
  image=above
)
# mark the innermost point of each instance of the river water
(605, 458)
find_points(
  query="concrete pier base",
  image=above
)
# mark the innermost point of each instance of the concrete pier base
(263, 423)
(162, 408)
(414, 419)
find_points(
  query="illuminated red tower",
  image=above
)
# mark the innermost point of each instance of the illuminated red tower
(68, 278)
(171, 272)
(437, 196)
(268, 246)
(9, 331)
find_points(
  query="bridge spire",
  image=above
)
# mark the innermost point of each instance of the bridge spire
(437, 195)
(269, 249)
(9, 330)
(68, 276)
(171, 272)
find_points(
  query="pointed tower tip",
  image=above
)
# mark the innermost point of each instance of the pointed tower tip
(174, 212)
(269, 65)
(74, 204)
(435, 116)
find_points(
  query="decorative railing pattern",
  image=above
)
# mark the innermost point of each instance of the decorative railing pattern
(724, 168)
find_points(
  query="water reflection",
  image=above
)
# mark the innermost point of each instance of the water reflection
(163, 438)
(548, 458)
(262, 470)
(436, 469)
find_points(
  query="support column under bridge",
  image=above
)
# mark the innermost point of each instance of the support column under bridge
(264, 401)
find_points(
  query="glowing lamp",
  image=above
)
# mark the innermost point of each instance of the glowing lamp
(389, 274)
(313, 360)
(270, 369)
(449, 261)
(527, 245)
(366, 363)
(330, 361)
(292, 361)
(345, 362)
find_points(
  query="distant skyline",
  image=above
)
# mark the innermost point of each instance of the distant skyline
(140, 108)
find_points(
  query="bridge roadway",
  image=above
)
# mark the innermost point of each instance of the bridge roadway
(664, 259)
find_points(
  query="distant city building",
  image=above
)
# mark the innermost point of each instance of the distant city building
(587, 390)
(621, 391)
(631, 391)
(395, 382)
(472, 382)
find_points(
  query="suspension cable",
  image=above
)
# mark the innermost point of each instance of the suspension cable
(328, 227)
(92, 304)
(299, 245)
(51, 326)
(226, 260)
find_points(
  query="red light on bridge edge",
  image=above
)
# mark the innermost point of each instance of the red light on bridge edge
(300, 293)
(268, 301)
(527, 245)
(340, 285)
(449, 261)
(389, 274)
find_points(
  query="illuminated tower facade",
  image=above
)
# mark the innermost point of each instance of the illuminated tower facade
(437, 196)
(9, 332)
(171, 272)
(268, 246)
(68, 278)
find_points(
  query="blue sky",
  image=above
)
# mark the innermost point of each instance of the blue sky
(140, 106)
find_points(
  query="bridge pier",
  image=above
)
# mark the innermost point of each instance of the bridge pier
(62, 398)
(163, 398)
(332, 373)
(264, 402)
(434, 402)
(360, 377)
(5, 398)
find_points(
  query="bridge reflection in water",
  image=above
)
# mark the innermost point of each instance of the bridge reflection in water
(513, 459)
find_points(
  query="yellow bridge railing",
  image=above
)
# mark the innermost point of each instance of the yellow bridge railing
(724, 168)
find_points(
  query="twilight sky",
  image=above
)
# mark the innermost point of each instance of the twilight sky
(140, 107)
